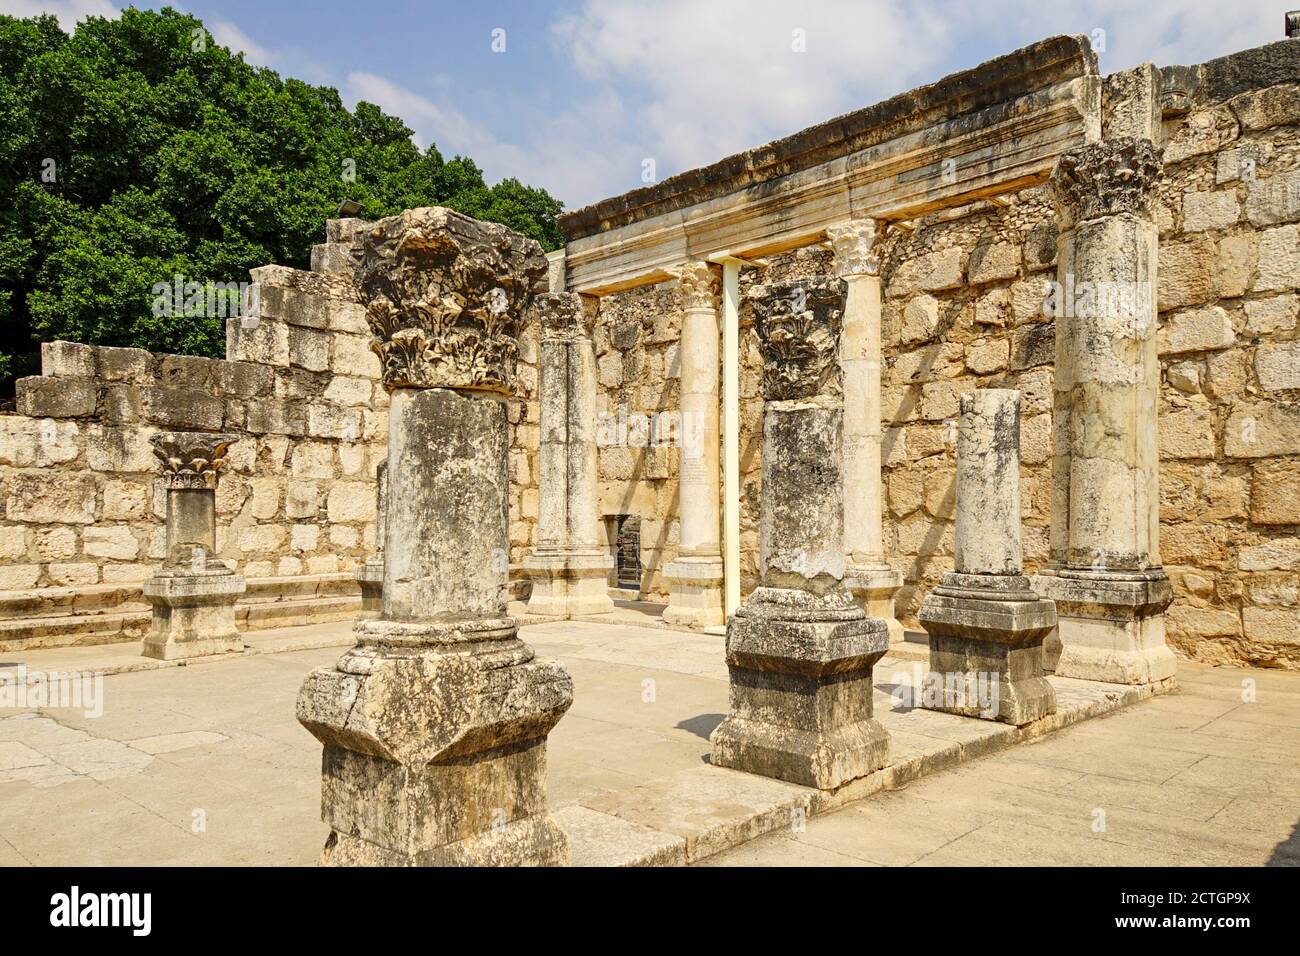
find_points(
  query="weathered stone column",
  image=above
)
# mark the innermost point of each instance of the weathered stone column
(435, 723)
(695, 579)
(193, 594)
(570, 566)
(1106, 579)
(799, 650)
(985, 622)
(370, 576)
(868, 576)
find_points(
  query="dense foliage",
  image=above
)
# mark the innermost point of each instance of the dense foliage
(136, 150)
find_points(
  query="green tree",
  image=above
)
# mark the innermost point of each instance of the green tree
(136, 149)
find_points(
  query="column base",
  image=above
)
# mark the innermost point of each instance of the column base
(193, 613)
(435, 746)
(986, 635)
(1111, 624)
(570, 583)
(694, 593)
(801, 690)
(370, 576)
(874, 587)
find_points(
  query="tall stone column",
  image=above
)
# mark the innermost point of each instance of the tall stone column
(1110, 589)
(193, 594)
(370, 576)
(986, 624)
(570, 566)
(799, 650)
(435, 723)
(868, 576)
(695, 595)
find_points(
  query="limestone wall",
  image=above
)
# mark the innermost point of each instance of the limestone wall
(963, 309)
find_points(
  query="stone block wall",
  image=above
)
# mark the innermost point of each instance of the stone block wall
(1229, 218)
(964, 308)
(82, 520)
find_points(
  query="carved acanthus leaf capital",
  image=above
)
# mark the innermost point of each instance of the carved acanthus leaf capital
(798, 326)
(191, 459)
(856, 247)
(1108, 178)
(444, 296)
(565, 315)
(699, 283)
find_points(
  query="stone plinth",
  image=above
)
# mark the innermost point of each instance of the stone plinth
(695, 596)
(800, 651)
(985, 622)
(869, 577)
(1105, 572)
(193, 595)
(370, 576)
(570, 568)
(434, 725)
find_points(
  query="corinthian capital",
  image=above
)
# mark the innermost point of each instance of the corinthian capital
(444, 296)
(798, 326)
(191, 459)
(855, 246)
(565, 315)
(1108, 178)
(699, 284)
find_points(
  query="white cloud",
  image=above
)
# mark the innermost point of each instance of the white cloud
(227, 34)
(69, 12)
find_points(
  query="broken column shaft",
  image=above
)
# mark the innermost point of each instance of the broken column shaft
(435, 723)
(986, 624)
(800, 651)
(193, 594)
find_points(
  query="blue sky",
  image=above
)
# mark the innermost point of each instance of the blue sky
(589, 95)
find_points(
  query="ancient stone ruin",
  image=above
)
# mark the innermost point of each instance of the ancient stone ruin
(1001, 374)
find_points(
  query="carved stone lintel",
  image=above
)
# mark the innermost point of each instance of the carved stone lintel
(565, 316)
(699, 284)
(856, 248)
(798, 327)
(1108, 178)
(191, 459)
(444, 296)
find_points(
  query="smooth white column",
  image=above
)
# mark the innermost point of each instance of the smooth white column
(695, 578)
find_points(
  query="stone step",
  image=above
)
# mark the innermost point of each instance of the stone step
(105, 614)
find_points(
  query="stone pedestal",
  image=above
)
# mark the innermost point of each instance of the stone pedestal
(985, 622)
(870, 579)
(800, 652)
(434, 725)
(193, 595)
(1105, 572)
(370, 576)
(570, 568)
(695, 595)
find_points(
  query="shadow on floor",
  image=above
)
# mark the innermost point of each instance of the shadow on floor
(702, 725)
(1287, 853)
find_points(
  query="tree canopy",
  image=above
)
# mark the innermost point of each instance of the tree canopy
(136, 150)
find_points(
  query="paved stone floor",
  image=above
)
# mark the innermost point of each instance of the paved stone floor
(205, 764)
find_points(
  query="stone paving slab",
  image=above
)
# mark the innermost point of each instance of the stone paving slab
(628, 771)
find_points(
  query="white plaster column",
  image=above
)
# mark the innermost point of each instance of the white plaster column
(1110, 588)
(570, 566)
(868, 575)
(695, 595)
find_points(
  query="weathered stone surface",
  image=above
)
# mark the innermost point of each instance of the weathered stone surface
(1278, 366)
(444, 297)
(1210, 210)
(1274, 200)
(1197, 330)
